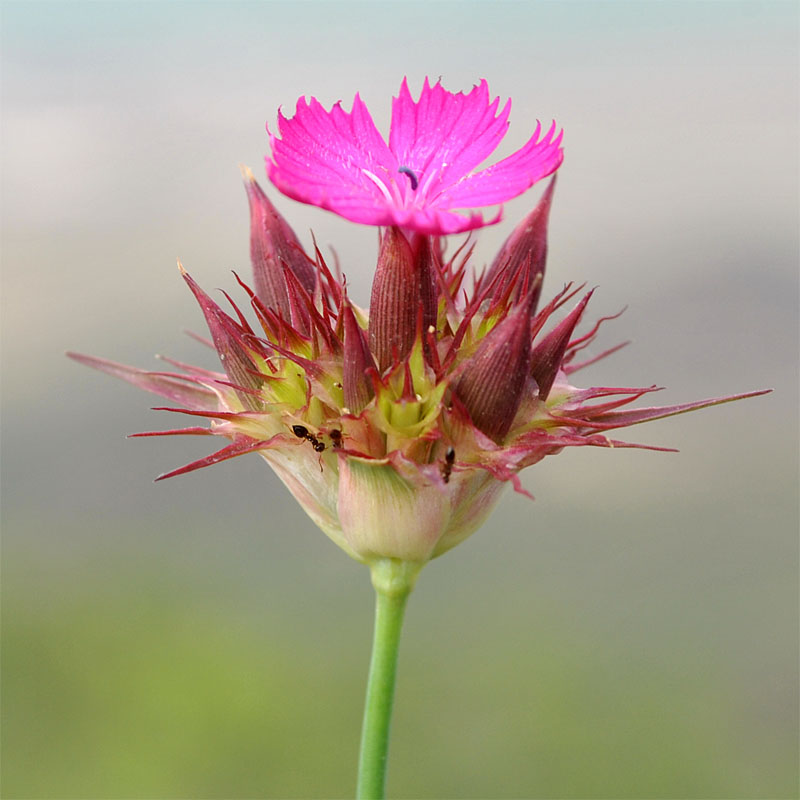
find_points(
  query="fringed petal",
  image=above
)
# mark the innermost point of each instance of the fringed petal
(338, 160)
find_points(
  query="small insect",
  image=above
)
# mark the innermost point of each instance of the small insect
(336, 438)
(301, 432)
(447, 467)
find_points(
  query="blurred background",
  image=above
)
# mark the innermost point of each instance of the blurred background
(631, 633)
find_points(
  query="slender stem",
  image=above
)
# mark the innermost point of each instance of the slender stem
(393, 581)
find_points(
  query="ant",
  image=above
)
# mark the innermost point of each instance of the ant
(336, 438)
(447, 467)
(301, 432)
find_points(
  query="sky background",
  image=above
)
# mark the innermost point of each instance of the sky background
(632, 632)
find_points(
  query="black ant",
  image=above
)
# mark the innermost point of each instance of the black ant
(336, 438)
(301, 432)
(447, 467)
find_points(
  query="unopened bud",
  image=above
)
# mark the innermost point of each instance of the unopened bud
(402, 292)
(492, 384)
(523, 256)
(273, 248)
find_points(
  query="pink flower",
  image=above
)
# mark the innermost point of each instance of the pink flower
(339, 160)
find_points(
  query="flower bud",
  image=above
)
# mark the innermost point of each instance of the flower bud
(273, 248)
(523, 256)
(403, 296)
(492, 384)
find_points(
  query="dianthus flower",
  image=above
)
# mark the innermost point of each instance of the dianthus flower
(338, 160)
(397, 427)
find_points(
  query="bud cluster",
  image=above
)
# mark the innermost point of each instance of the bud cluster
(396, 427)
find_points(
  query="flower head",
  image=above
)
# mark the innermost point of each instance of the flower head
(396, 428)
(424, 175)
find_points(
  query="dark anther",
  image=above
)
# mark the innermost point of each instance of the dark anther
(300, 431)
(412, 176)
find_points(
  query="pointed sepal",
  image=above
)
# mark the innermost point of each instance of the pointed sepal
(357, 361)
(622, 419)
(240, 447)
(549, 352)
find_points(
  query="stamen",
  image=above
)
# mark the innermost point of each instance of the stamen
(379, 183)
(412, 176)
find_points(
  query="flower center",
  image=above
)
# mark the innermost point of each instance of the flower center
(399, 194)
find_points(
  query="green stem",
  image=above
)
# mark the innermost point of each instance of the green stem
(393, 581)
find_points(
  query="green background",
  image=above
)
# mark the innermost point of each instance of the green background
(631, 633)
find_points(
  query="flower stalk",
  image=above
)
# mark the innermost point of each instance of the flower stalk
(393, 581)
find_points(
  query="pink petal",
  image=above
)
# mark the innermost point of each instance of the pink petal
(338, 160)
(324, 158)
(510, 177)
(444, 136)
(435, 221)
